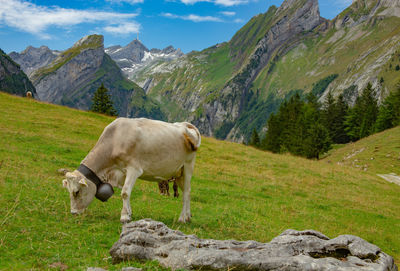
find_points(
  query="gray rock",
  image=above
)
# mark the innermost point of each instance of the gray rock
(292, 250)
(131, 269)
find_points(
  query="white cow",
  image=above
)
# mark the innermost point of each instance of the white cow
(135, 148)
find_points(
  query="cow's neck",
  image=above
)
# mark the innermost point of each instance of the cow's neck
(98, 159)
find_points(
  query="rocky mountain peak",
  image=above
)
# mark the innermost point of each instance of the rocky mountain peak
(137, 45)
(289, 6)
(363, 10)
(91, 41)
(33, 58)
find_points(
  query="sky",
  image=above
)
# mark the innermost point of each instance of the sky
(185, 24)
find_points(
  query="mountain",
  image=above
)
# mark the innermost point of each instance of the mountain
(75, 74)
(135, 57)
(231, 88)
(12, 79)
(33, 58)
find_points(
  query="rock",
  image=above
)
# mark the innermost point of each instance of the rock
(131, 269)
(123, 269)
(147, 239)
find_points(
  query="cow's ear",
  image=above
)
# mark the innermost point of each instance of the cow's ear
(65, 182)
(70, 175)
(83, 182)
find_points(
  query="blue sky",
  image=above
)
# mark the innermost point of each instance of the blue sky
(186, 24)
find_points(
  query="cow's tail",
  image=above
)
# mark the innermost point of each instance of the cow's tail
(192, 137)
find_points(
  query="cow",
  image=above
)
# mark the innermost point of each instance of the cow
(135, 148)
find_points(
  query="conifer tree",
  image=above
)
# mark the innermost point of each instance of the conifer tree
(316, 139)
(333, 116)
(102, 102)
(360, 122)
(292, 128)
(389, 112)
(272, 139)
(341, 110)
(255, 139)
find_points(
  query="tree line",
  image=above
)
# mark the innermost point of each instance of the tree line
(307, 128)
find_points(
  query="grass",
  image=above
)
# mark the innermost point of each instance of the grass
(377, 154)
(238, 192)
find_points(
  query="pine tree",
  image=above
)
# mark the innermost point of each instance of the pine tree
(389, 112)
(272, 139)
(316, 139)
(361, 119)
(255, 139)
(333, 116)
(341, 110)
(102, 102)
(293, 130)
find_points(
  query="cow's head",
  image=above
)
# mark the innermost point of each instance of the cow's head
(81, 191)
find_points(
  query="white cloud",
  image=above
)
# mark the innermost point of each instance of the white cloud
(238, 21)
(226, 3)
(192, 17)
(228, 13)
(34, 19)
(123, 28)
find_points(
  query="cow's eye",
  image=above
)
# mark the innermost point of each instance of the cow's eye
(75, 193)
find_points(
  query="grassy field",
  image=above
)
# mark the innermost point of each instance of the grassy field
(237, 193)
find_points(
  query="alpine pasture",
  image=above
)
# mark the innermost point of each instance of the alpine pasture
(238, 192)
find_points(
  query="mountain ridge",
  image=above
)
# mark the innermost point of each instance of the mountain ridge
(251, 83)
(12, 79)
(73, 76)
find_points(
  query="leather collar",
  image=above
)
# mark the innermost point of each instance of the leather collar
(90, 175)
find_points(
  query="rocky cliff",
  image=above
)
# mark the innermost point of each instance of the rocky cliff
(291, 23)
(73, 77)
(12, 79)
(231, 88)
(33, 58)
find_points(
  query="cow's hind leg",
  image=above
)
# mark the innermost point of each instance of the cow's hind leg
(184, 184)
(131, 175)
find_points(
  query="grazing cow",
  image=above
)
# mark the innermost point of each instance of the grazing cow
(132, 148)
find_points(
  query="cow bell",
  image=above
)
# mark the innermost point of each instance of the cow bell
(104, 191)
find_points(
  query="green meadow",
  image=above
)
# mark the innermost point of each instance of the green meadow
(238, 192)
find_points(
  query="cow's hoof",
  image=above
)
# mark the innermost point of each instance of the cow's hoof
(125, 219)
(184, 219)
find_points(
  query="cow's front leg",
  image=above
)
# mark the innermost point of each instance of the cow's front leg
(131, 175)
(187, 175)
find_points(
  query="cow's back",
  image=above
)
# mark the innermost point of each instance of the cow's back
(158, 148)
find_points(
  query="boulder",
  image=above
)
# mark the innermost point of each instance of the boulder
(147, 239)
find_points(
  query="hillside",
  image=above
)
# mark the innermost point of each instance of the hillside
(377, 154)
(75, 74)
(12, 79)
(231, 88)
(237, 192)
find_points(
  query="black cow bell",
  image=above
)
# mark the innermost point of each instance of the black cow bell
(104, 191)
